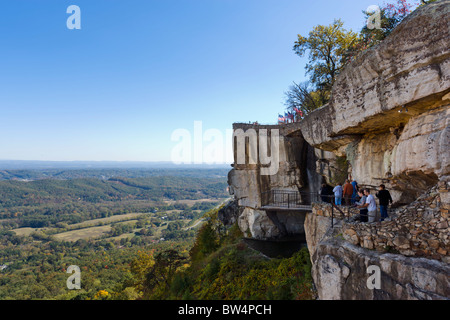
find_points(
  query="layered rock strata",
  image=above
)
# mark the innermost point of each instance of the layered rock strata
(248, 184)
(343, 270)
(389, 111)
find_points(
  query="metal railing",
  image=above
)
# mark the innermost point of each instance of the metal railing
(287, 199)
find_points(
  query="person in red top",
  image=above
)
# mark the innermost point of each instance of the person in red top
(347, 192)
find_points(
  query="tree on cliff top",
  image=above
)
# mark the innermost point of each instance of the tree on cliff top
(327, 46)
(331, 47)
(303, 97)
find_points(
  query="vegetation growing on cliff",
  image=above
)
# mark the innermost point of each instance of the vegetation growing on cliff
(326, 46)
(222, 267)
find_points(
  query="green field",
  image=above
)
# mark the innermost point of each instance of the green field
(97, 228)
(108, 220)
(25, 231)
(86, 233)
(83, 230)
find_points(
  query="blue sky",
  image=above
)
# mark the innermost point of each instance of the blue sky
(140, 69)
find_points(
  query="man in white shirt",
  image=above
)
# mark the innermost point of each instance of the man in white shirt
(338, 194)
(371, 206)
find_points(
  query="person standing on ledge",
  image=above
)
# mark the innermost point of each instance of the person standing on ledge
(355, 190)
(348, 191)
(326, 193)
(371, 206)
(385, 199)
(338, 194)
(362, 208)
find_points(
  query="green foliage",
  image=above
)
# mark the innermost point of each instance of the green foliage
(236, 272)
(206, 242)
(326, 46)
(223, 267)
(330, 48)
(105, 173)
(159, 277)
(112, 268)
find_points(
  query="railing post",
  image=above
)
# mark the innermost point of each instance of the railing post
(288, 201)
(332, 214)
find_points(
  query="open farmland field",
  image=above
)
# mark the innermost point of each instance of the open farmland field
(24, 231)
(86, 233)
(108, 220)
(192, 202)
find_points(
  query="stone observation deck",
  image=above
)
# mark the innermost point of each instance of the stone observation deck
(288, 200)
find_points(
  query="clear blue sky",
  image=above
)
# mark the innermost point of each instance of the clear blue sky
(139, 69)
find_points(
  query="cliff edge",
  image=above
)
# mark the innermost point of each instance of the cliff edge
(387, 122)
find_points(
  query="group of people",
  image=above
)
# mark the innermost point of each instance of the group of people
(361, 198)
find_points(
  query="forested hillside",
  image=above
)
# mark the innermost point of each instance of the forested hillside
(100, 225)
(43, 203)
(220, 266)
(14, 171)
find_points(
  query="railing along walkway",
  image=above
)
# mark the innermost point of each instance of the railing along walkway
(301, 201)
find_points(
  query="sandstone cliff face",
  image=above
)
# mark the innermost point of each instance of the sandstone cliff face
(409, 72)
(248, 184)
(387, 122)
(341, 269)
(246, 181)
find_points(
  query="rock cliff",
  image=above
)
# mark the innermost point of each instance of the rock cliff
(387, 122)
(341, 269)
(389, 110)
(248, 185)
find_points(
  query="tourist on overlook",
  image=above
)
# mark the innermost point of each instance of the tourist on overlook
(326, 193)
(348, 191)
(371, 206)
(338, 194)
(362, 210)
(385, 199)
(355, 190)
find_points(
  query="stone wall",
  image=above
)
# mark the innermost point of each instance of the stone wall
(340, 268)
(421, 229)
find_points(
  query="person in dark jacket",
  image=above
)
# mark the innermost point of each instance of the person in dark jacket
(326, 193)
(355, 190)
(385, 199)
